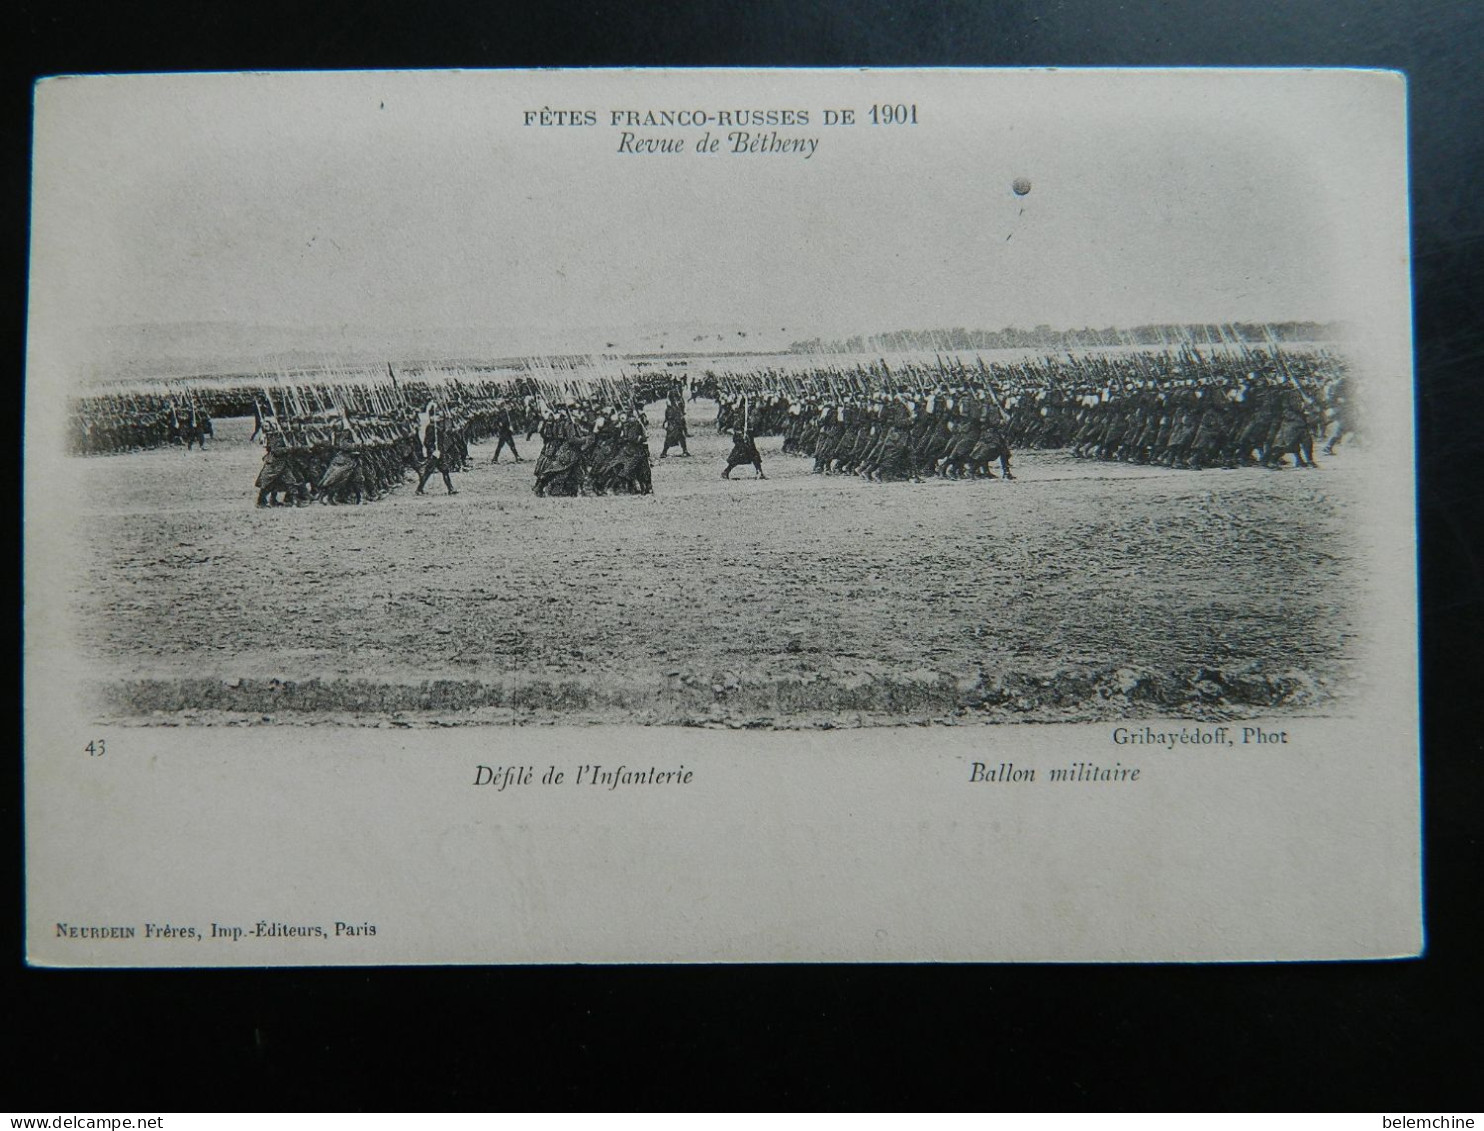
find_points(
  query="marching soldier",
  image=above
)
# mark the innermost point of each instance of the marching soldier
(441, 456)
(675, 429)
(505, 431)
(744, 450)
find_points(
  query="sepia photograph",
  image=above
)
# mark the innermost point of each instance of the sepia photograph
(373, 426)
(709, 439)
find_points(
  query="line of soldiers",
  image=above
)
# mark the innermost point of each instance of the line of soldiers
(953, 432)
(1184, 410)
(111, 424)
(336, 457)
(1187, 426)
(589, 447)
(333, 460)
(1229, 411)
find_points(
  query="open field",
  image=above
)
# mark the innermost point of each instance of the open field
(1081, 591)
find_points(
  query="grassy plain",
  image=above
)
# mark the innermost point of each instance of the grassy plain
(1080, 591)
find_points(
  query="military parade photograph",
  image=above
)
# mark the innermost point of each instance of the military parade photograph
(720, 516)
(384, 409)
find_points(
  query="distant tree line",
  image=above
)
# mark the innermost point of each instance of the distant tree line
(1044, 337)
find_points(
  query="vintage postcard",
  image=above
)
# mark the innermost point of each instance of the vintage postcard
(720, 516)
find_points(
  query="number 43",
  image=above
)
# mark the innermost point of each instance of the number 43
(94, 749)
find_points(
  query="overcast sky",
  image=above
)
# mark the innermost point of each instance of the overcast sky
(419, 201)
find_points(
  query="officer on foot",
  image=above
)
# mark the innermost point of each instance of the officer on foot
(744, 450)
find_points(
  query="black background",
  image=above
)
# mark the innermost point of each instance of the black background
(1378, 1036)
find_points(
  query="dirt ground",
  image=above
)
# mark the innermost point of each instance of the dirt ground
(1080, 591)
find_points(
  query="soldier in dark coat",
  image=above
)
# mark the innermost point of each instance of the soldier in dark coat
(197, 427)
(505, 431)
(675, 431)
(635, 455)
(606, 457)
(282, 472)
(744, 450)
(273, 478)
(343, 477)
(441, 451)
(892, 462)
(1292, 433)
(562, 474)
(831, 427)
